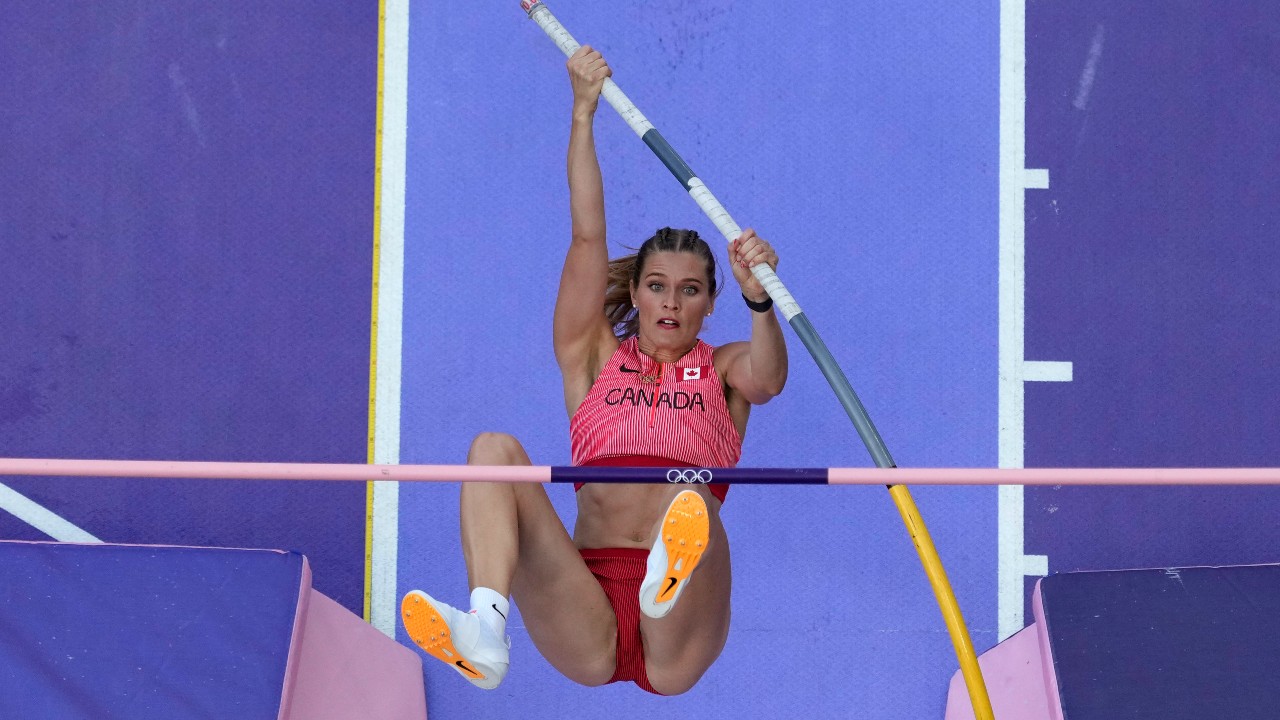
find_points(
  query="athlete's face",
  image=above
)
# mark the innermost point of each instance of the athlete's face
(672, 297)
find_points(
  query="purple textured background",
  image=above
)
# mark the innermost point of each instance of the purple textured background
(184, 251)
(1152, 265)
(185, 235)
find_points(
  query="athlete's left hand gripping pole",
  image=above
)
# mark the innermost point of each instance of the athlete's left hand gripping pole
(808, 335)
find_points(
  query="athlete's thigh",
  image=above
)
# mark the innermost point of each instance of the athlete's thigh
(563, 606)
(681, 646)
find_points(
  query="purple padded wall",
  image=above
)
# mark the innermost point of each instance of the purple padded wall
(1151, 266)
(186, 242)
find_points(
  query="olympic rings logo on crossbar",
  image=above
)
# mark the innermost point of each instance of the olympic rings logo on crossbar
(689, 476)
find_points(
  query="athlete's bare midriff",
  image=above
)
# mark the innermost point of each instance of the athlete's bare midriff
(612, 515)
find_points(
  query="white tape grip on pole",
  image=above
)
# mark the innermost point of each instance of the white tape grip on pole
(772, 285)
(611, 92)
(627, 109)
(554, 30)
(730, 230)
(713, 209)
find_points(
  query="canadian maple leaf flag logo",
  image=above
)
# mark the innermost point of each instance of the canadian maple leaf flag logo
(693, 373)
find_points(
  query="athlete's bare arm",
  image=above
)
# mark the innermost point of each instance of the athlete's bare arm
(754, 372)
(582, 336)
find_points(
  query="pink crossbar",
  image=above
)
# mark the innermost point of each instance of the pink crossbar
(543, 474)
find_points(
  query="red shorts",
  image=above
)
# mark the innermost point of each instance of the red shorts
(620, 572)
(717, 489)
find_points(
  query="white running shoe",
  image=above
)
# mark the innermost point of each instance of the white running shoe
(459, 639)
(679, 546)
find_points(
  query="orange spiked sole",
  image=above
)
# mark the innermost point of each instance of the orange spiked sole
(686, 528)
(429, 631)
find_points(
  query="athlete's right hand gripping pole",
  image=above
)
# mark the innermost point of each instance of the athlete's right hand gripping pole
(809, 336)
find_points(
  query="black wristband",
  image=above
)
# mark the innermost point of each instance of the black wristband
(759, 307)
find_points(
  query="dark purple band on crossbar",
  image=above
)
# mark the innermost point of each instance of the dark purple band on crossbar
(687, 475)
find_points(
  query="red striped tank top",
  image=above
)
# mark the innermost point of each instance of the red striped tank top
(638, 406)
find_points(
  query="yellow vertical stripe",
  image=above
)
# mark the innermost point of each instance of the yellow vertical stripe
(373, 334)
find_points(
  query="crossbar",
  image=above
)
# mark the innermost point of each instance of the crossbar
(676, 475)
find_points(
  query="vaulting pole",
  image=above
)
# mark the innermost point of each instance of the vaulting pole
(539, 13)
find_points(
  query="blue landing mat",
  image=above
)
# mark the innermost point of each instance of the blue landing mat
(140, 632)
(1165, 644)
